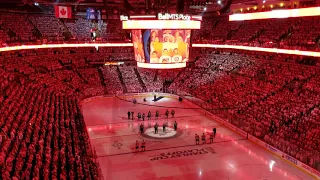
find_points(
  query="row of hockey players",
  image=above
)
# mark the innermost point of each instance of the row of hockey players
(149, 116)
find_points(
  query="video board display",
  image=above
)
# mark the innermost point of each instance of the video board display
(169, 46)
(164, 47)
(138, 46)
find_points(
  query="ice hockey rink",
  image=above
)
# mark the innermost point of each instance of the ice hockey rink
(175, 155)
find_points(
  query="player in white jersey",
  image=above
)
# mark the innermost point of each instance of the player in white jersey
(177, 58)
(165, 58)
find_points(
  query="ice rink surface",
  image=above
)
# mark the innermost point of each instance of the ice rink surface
(175, 157)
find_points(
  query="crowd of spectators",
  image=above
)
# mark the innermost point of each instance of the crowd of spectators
(43, 136)
(50, 27)
(271, 96)
(271, 99)
(130, 79)
(24, 28)
(16, 28)
(289, 33)
(112, 80)
(149, 78)
(280, 33)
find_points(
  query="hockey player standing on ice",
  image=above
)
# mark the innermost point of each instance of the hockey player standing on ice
(197, 138)
(164, 127)
(137, 145)
(156, 128)
(143, 146)
(175, 125)
(143, 115)
(172, 113)
(167, 113)
(129, 114)
(203, 138)
(149, 115)
(214, 132)
(211, 137)
(132, 114)
(139, 116)
(134, 101)
(141, 128)
(157, 115)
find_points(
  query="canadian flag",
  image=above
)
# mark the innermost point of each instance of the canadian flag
(63, 11)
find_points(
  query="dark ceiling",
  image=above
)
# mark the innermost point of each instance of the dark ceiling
(134, 6)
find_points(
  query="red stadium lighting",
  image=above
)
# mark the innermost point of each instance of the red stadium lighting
(314, 11)
(197, 18)
(43, 46)
(160, 24)
(142, 16)
(161, 66)
(271, 50)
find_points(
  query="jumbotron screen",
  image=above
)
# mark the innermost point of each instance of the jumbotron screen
(156, 48)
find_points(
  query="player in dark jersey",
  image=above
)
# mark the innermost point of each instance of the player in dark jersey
(139, 116)
(164, 127)
(143, 115)
(211, 137)
(157, 115)
(197, 137)
(141, 128)
(175, 125)
(172, 113)
(137, 145)
(143, 146)
(203, 138)
(129, 114)
(149, 115)
(214, 132)
(156, 128)
(167, 114)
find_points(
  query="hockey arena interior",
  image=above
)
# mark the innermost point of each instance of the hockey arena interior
(158, 89)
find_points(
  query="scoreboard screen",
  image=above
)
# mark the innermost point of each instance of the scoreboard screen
(160, 46)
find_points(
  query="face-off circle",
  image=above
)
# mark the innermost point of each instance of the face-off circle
(169, 133)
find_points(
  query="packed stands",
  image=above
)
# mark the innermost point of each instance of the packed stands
(24, 28)
(148, 77)
(279, 33)
(43, 136)
(273, 97)
(79, 28)
(16, 27)
(275, 101)
(49, 26)
(130, 79)
(112, 80)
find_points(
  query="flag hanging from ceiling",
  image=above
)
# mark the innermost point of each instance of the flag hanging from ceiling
(63, 11)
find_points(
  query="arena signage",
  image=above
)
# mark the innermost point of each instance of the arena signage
(311, 170)
(167, 16)
(124, 18)
(271, 148)
(291, 159)
(184, 153)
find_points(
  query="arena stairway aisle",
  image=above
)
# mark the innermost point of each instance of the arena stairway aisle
(140, 80)
(125, 90)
